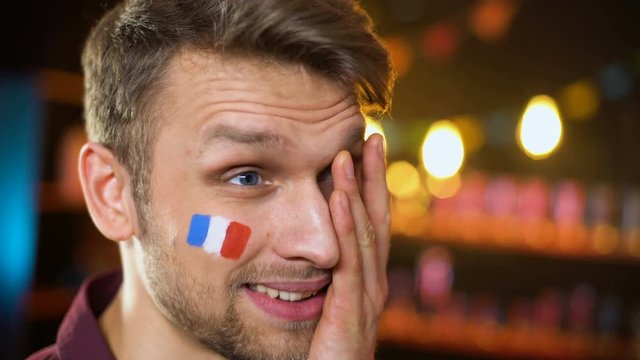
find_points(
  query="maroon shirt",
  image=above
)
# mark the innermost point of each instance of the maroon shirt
(79, 335)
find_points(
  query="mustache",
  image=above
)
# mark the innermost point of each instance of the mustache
(257, 272)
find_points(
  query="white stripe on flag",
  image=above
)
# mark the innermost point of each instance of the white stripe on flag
(216, 234)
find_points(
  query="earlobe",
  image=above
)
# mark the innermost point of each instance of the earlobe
(106, 192)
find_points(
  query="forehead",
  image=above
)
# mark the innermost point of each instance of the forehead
(204, 96)
(200, 87)
(235, 77)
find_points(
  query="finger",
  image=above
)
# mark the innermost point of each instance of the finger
(347, 277)
(376, 197)
(344, 179)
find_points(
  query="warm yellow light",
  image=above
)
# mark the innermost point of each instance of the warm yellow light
(373, 126)
(540, 130)
(580, 100)
(605, 239)
(403, 179)
(412, 208)
(442, 150)
(471, 132)
(444, 188)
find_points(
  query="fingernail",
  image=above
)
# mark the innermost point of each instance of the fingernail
(347, 163)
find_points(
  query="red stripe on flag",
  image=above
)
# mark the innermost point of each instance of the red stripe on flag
(235, 240)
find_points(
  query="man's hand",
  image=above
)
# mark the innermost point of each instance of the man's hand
(348, 326)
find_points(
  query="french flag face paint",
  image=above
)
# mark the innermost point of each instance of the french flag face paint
(217, 235)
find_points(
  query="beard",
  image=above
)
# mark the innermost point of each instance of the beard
(187, 302)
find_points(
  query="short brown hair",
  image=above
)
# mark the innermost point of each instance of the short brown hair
(131, 46)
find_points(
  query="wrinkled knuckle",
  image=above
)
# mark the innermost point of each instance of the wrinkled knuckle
(367, 236)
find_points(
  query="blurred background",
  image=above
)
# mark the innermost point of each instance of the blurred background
(512, 146)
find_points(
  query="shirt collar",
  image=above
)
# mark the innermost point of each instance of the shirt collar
(79, 335)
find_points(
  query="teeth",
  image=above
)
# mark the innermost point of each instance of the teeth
(273, 293)
(283, 295)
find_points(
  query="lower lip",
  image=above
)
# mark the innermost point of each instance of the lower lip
(308, 309)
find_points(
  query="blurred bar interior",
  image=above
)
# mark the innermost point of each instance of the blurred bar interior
(513, 166)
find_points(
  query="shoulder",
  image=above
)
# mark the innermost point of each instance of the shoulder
(48, 353)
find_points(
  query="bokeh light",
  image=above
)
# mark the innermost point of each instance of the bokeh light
(403, 179)
(580, 101)
(68, 180)
(373, 126)
(441, 41)
(605, 239)
(402, 56)
(616, 82)
(412, 208)
(444, 188)
(472, 133)
(540, 129)
(442, 151)
(490, 20)
(500, 127)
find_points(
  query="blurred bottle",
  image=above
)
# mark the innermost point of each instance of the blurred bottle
(442, 218)
(470, 208)
(536, 229)
(608, 328)
(609, 315)
(634, 327)
(548, 310)
(630, 221)
(568, 204)
(602, 211)
(500, 204)
(581, 309)
(400, 280)
(435, 279)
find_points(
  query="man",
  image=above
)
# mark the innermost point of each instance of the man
(227, 160)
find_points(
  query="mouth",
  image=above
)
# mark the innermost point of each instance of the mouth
(290, 301)
(283, 294)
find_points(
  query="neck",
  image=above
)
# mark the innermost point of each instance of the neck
(134, 327)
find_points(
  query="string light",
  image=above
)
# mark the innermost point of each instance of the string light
(580, 100)
(442, 151)
(540, 130)
(403, 179)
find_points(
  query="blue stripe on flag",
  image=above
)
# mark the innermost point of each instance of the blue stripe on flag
(198, 230)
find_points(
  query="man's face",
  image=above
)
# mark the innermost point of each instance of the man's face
(251, 142)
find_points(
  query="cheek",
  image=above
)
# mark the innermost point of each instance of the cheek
(218, 235)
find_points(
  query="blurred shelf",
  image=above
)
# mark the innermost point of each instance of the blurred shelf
(399, 325)
(49, 303)
(606, 244)
(61, 86)
(523, 249)
(52, 200)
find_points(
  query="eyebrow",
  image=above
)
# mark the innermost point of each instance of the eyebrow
(268, 140)
(250, 137)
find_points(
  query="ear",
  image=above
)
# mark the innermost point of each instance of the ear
(106, 189)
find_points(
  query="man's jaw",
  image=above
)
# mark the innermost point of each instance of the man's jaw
(289, 300)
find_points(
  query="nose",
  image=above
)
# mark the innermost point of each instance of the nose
(306, 231)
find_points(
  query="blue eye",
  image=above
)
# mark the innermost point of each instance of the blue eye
(249, 178)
